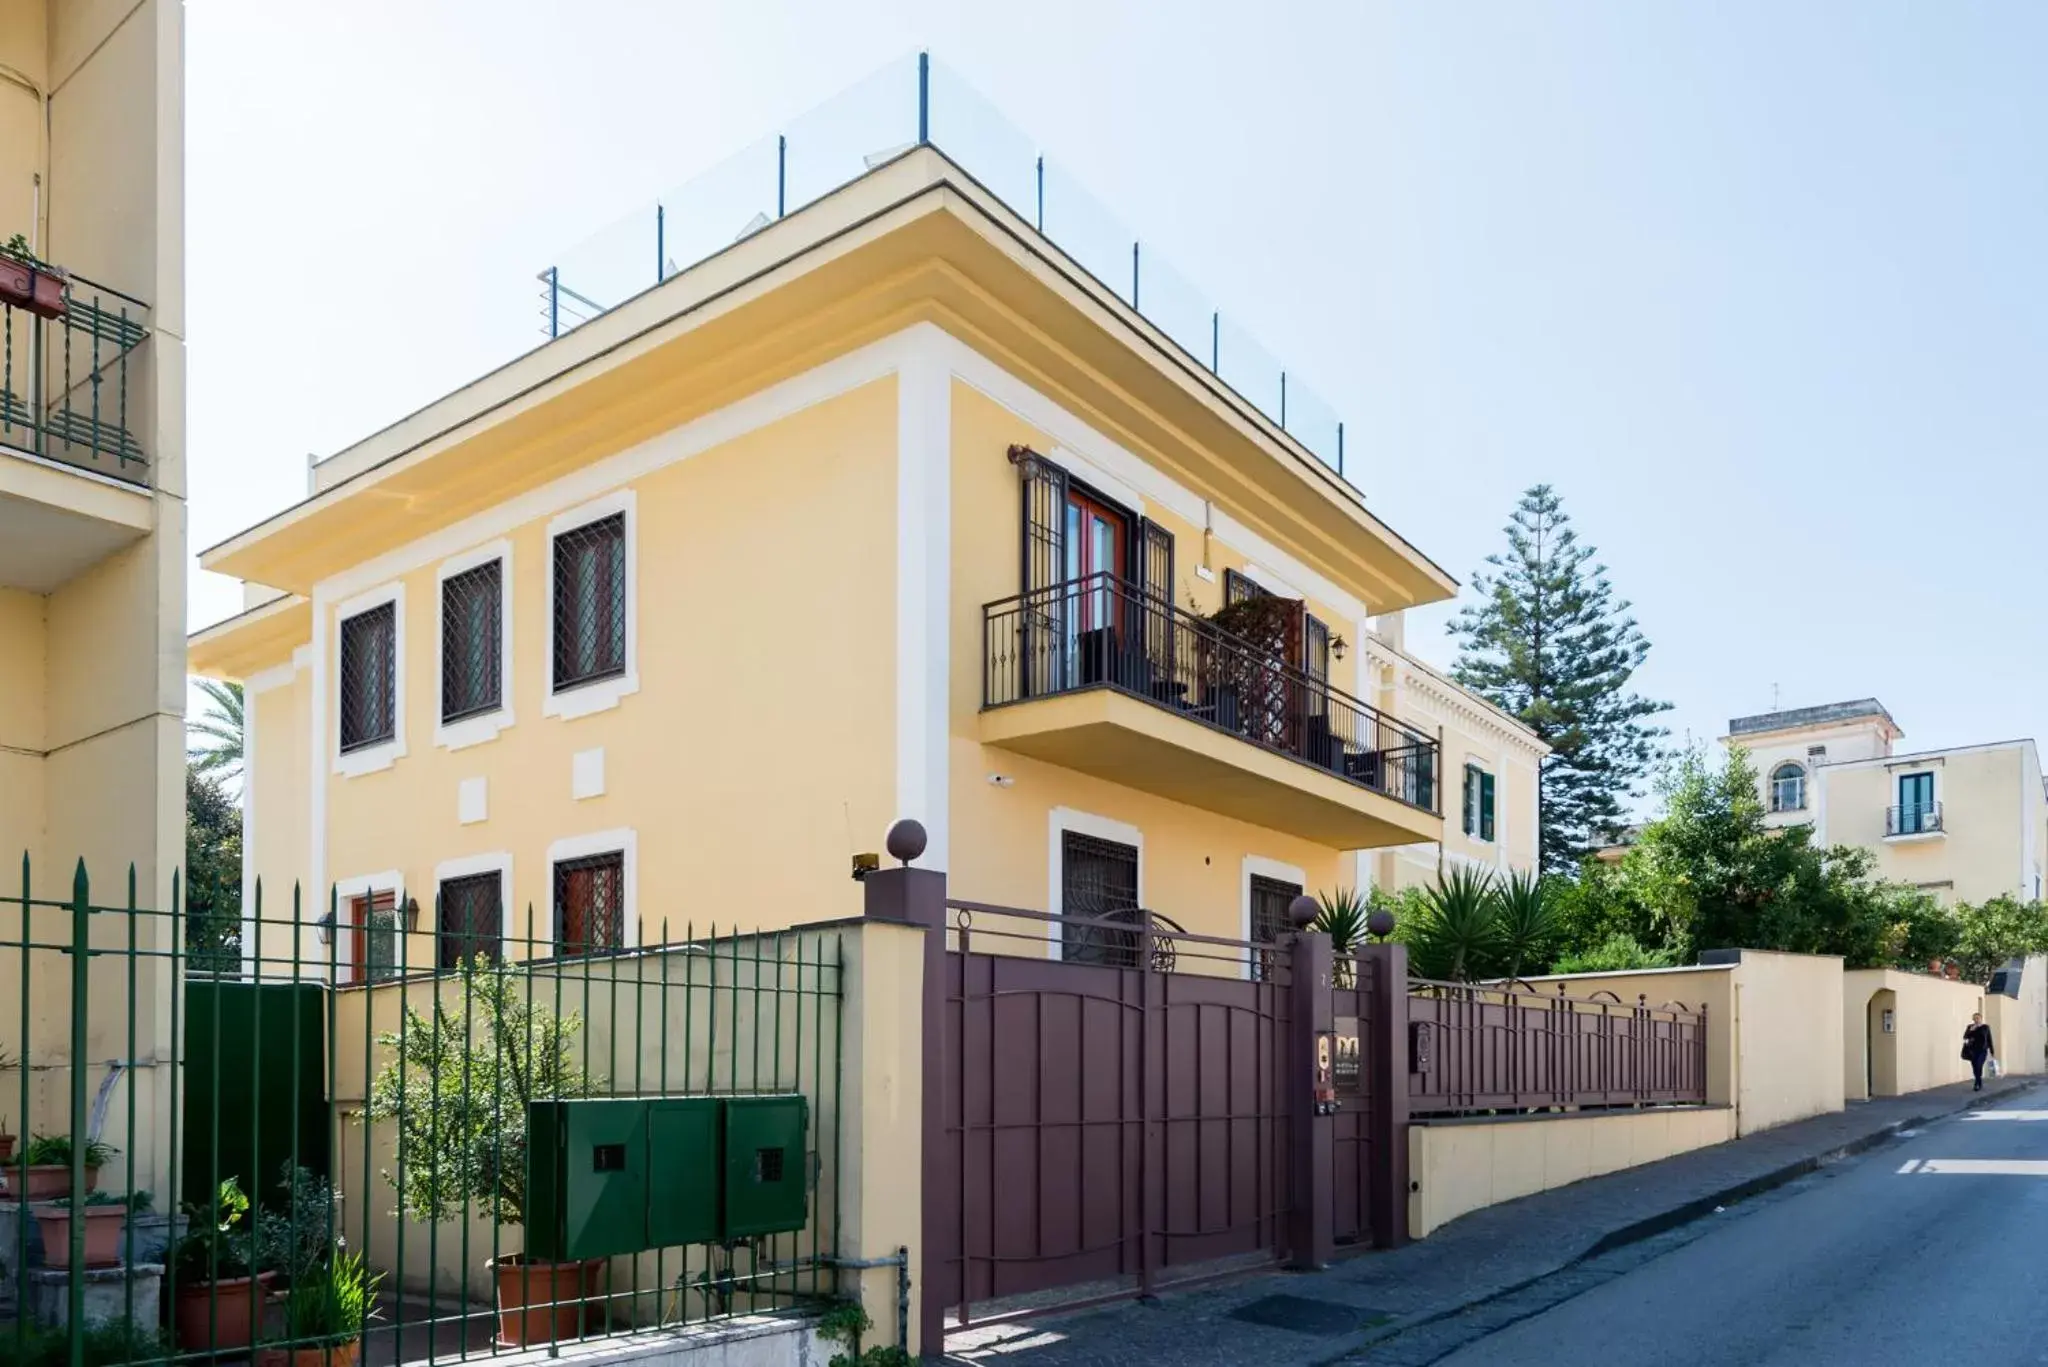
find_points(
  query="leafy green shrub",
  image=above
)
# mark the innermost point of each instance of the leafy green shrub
(1616, 954)
(1457, 936)
(54, 1151)
(218, 1249)
(844, 1323)
(299, 1239)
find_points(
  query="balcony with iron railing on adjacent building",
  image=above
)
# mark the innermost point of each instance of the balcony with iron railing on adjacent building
(1913, 819)
(69, 375)
(1099, 675)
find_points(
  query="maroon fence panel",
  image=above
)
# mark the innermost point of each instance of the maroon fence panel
(1477, 1048)
(1114, 1117)
(1352, 987)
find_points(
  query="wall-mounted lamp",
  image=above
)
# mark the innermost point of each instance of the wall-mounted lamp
(325, 927)
(1338, 645)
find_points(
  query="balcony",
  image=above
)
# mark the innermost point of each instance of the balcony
(1906, 823)
(66, 391)
(1099, 676)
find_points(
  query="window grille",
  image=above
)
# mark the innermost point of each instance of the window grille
(369, 677)
(472, 639)
(590, 602)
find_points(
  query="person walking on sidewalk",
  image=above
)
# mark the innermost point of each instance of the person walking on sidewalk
(1977, 1048)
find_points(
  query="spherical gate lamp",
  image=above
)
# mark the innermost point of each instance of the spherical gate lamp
(1302, 911)
(1380, 924)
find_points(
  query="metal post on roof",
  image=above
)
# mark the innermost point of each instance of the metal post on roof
(924, 97)
(1340, 448)
(1134, 275)
(1215, 343)
(554, 301)
(660, 228)
(781, 174)
(1041, 193)
(1283, 401)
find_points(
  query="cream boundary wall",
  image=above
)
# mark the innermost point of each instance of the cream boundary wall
(1924, 1048)
(1774, 1028)
(2019, 1025)
(1457, 1167)
(91, 679)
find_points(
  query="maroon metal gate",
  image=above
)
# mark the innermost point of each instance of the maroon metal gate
(1115, 1109)
(1355, 1148)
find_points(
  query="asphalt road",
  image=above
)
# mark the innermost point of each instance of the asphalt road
(1931, 1250)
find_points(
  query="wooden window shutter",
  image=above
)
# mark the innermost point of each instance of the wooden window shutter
(1485, 805)
(1155, 596)
(1042, 551)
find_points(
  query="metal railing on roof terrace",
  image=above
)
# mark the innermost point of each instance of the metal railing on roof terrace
(913, 102)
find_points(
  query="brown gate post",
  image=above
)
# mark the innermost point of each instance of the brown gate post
(918, 897)
(1386, 1031)
(1312, 1137)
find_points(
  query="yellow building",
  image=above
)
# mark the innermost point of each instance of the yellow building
(1965, 824)
(888, 508)
(1491, 763)
(92, 516)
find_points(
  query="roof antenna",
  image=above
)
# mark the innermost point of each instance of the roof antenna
(1774, 697)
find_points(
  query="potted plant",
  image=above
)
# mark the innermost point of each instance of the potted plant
(48, 1160)
(29, 283)
(325, 1315)
(7, 1063)
(219, 1288)
(105, 1215)
(458, 1098)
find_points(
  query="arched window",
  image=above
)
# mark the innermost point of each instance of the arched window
(1788, 788)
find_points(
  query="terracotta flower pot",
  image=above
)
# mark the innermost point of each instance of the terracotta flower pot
(103, 1225)
(52, 1182)
(556, 1292)
(36, 289)
(221, 1314)
(6, 1148)
(333, 1355)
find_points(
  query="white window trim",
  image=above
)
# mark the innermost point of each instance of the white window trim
(1477, 765)
(623, 842)
(1259, 866)
(498, 862)
(371, 758)
(485, 726)
(347, 890)
(599, 695)
(1805, 787)
(1060, 821)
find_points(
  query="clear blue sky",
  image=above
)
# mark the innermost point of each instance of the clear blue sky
(1759, 287)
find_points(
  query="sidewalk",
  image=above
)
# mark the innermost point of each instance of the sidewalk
(1314, 1318)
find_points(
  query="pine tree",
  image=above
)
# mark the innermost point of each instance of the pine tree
(1549, 642)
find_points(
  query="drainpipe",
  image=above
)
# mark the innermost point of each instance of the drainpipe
(900, 1260)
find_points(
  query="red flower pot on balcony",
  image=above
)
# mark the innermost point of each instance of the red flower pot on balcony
(39, 289)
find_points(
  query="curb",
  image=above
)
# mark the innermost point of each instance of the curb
(1665, 1221)
(1668, 1220)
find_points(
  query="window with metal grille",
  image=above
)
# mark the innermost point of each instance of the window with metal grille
(369, 677)
(1097, 878)
(472, 919)
(590, 602)
(472, 641)
(1271, 898)
(590, 904)
(372, 931)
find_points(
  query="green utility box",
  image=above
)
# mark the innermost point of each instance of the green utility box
(764, 1164)
(611, 1177)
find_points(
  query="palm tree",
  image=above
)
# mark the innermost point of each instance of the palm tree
(1342, 917)
(1526, 919)
(1459, 933)
(219, 730)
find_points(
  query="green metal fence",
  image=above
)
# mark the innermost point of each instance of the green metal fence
(349, 1161)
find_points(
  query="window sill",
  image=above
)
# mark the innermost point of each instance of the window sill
(370, 759)
(599, 695)
(1914, 837)
(460, 735)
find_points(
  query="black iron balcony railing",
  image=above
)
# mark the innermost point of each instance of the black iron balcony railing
(1921, 819)
(1102, 632)
(66, 390)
